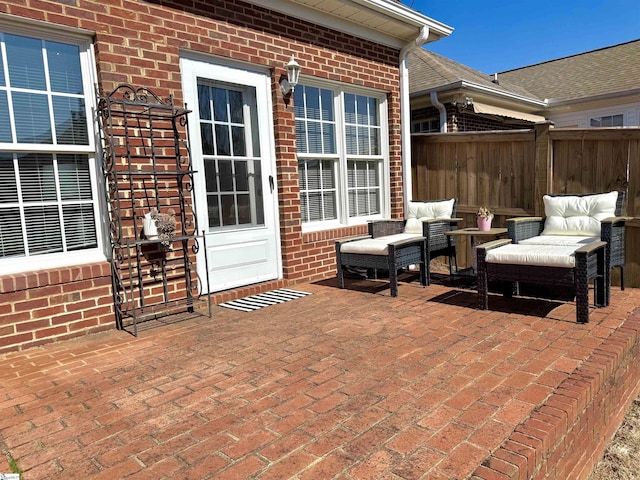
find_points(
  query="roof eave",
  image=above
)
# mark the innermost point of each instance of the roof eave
(463, 84)
(385, 8)
(551, 103)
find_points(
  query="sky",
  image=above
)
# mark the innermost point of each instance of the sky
(497, 35)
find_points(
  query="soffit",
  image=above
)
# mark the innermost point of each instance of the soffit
(384, 21)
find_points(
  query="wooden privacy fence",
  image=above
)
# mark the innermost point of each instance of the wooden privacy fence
(510, 171)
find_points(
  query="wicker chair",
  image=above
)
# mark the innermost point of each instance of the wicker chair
(389, 247)
(612, 231)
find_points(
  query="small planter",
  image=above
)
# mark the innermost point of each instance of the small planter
(160, 226)
(484, 223)
(149, 227)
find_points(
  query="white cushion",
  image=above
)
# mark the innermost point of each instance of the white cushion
(419, 211)
(375, 246)
(544, 255)
(574, 215)
(558, 240)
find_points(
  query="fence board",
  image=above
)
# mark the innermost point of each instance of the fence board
(508, 171)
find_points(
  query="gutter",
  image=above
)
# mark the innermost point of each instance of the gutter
(405, 113)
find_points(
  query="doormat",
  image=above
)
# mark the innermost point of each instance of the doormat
(256, 302)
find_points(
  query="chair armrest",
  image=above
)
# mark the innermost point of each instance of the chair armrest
(448, 220)
(590, 247)
(407, 241)
(493, 244)
(617, 220)
(525, 219)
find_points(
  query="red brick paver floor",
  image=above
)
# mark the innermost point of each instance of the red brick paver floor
(349, 384)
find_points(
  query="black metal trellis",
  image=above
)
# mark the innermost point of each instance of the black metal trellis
(147, 164)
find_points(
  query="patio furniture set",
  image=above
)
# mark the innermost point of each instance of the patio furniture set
(576, 244)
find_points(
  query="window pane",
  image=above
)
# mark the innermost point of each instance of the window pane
(244, 209)
(31, 113)
(214, 211)
(349, 108)
(225, 175)
(328, 177)
(301, 136)
(79, 227)
(70, 121)
(617, 121)
(37, 179)
(223, 146)
(328, 137)
(362, 114)
(5, 124)
(242, 176)
(315, 137)
(329, 203)
(11, 241)
(313, 103)
(351, 140)
(237, 134)
(313, 175)
(204, 102)
(2, 80)
(75, 180)
(26, 66)
(211, 176)
(228, 210)
(236, 105)
(43, 229)
(65, 73)
(9, 190)
(206, 133)
(220, 105)
(326, 97)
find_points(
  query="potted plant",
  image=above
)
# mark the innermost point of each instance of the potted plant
(484, 217)
(161, 226)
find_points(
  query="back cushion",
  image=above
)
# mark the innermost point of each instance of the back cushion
(419, 211)
(574, 215)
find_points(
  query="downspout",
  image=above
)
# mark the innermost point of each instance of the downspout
(405, 113)
(442, 109)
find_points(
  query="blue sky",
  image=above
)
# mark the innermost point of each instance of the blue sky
(497, 35)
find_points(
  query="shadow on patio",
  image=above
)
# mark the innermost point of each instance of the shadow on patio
(346, 384)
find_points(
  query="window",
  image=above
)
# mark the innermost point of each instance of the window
(426, 125)
(608, 121)
(341, 145)
(48, 204)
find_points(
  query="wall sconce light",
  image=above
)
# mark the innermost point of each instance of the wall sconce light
(288, 84)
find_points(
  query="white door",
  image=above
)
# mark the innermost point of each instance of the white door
(231, 140)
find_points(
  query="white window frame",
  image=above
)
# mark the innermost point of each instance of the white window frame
(83, 40)
(339, 89)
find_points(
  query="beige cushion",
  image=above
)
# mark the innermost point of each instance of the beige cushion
(419, 211)
(375, 246)
(558, 240)
(574, 215)
(544, 255)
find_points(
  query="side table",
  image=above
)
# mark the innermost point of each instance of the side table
(477, 237)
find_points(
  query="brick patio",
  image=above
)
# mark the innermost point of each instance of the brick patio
(349, 384)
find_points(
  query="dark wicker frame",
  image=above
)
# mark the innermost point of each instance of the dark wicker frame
(612, 232)
(590, 265)
(417, 251)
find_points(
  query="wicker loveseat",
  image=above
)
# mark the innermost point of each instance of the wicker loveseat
(396, 244)
(578, 219)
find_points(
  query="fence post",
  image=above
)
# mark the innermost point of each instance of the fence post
(543, 165)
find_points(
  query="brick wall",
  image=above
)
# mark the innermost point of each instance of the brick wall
(139, 43)
(54, 304)
(466, 122)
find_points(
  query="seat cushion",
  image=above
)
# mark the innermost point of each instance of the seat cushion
(558, 240)
(375, 246)
(543, 255)
(578, 215)
(419, 211)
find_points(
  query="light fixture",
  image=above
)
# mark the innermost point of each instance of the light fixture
(288, 84)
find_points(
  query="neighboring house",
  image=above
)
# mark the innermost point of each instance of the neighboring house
(599, 88)
(322, 163)
(447, 96)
